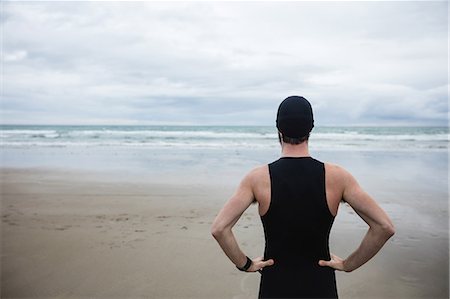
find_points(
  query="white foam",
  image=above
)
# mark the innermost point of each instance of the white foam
(220, 137)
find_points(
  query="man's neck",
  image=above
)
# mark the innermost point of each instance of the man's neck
(295, 150)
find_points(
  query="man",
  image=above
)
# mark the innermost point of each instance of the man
(298, 198)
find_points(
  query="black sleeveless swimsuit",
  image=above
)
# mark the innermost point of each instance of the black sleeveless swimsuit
(296, 228)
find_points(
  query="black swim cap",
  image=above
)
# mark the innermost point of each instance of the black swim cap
(295, 117)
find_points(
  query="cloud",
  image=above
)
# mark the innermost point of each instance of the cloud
(224, 63)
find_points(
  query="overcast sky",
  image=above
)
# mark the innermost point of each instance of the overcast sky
(228, 63)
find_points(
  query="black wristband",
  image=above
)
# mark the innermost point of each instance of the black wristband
(246, 266)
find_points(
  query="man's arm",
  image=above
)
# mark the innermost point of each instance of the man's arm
(380, 226)
(222, 226)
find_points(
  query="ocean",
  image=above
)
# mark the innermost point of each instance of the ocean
(222, 154)
(219, 137)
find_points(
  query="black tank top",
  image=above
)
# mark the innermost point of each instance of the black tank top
(296, 228)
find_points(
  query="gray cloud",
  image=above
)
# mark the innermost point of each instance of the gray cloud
(224, 63)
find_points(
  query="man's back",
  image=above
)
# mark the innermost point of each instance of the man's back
(296, 228)
(335, 178)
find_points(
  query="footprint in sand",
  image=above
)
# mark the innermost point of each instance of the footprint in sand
(121, 219)
(159, 233)
(65, 227)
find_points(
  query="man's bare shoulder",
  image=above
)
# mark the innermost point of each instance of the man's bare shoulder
(336, 173)
(258, 173)
(335, 169)
(259, 179)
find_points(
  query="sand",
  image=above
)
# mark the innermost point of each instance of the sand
(74, 234)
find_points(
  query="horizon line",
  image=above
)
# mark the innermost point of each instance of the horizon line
(230, 125)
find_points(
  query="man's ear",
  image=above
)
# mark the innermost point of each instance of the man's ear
(280, 137)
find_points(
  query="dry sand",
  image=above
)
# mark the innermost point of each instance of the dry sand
(69, 234)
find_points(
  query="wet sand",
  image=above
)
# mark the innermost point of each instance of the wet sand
(78, 234)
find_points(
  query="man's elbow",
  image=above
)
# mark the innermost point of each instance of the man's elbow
(217, 231)
(388, 230)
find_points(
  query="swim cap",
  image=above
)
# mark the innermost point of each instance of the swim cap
(295, 117)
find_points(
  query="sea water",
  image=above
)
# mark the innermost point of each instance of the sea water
(216, 152)
(207, 137)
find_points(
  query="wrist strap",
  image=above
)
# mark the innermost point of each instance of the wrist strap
(246, 266)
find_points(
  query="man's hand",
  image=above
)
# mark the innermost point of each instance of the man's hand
(258, 264)
(335, 263)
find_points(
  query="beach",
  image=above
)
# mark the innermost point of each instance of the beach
(111, 229)
(126, 126)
